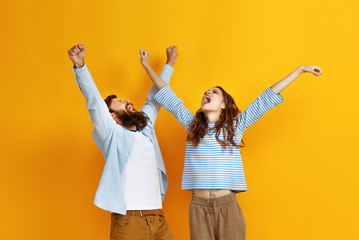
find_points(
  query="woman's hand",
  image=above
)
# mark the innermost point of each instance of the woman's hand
(144, 57)
(311, 69)
(285, 82)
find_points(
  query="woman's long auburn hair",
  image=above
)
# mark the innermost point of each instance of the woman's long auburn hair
(199, 124)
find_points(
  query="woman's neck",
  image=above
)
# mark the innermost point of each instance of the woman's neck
(212, 116)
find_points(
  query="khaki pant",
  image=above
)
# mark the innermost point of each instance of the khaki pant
(125, 227)
(216, 218)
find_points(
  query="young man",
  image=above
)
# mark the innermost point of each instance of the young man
(134, 182)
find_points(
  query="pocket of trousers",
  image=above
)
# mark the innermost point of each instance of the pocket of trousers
(122, 220)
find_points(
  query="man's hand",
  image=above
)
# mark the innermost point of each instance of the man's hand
(311, 69)
(77, 55)
(171, 55)
(144, 57)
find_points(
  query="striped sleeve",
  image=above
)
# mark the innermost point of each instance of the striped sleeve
(168, 99)
(265, 101)
(151, 107)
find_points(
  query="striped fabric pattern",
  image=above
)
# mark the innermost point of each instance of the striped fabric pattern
(208, 166)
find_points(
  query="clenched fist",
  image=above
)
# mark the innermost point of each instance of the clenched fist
(171, 55)
(77, 55)
(144, 57)
(311, 69)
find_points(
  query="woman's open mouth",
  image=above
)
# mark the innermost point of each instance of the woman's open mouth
(207, 99)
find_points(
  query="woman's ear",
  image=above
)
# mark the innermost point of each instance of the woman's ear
(113, 115)
(223, 106)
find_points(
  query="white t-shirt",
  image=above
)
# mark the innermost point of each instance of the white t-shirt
(140, 176)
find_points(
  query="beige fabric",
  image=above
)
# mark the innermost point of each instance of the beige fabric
(216, 218)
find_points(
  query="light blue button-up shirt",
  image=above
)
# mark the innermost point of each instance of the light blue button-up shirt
(116, 142)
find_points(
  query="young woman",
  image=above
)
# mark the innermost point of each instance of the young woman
(213, 167)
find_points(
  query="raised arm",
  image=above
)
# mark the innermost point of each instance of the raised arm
(165, 96)
(157, 80)
(151, 107)
(282, 84)
(100, 116)
(271, 97)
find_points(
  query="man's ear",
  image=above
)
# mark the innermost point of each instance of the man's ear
(115, 117)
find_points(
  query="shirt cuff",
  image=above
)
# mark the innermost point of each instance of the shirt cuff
(167, 69)
(276, 97)
(79, 70)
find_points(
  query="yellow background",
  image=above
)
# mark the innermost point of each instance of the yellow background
(300, 159)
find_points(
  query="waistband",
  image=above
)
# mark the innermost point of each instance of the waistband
(217, 200)
(142, 213)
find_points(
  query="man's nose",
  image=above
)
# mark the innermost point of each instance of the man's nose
(127, 101)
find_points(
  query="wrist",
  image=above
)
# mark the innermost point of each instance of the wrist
(145, 65)
(79, 64)
(170, 62)
(301, 69)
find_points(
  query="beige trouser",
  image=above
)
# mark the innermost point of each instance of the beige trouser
(218, 218)
(124, 227)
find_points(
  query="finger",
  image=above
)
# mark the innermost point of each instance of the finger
(317, 70)
(320, 70)
(81, 46)
(71, 52)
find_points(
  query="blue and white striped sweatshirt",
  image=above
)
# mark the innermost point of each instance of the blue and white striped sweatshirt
(208, 166)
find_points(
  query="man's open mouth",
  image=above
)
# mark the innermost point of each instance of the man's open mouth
(129, 107)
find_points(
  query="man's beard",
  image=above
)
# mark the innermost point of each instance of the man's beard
(129, 119)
